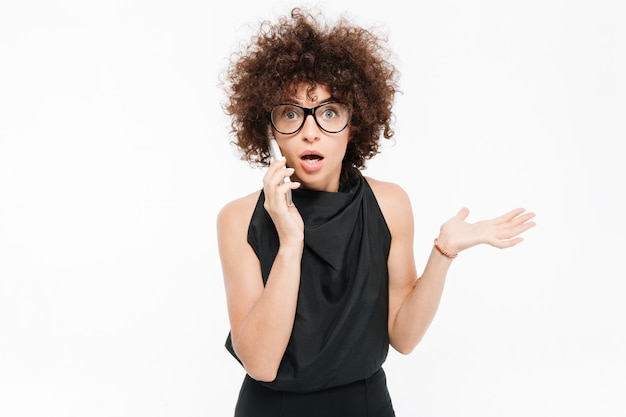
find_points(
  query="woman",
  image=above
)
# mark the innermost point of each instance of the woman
(319, 288)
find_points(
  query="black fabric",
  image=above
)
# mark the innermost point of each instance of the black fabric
(363, 398)
(340, 331)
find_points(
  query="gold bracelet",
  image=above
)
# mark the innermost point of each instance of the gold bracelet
(445, 252)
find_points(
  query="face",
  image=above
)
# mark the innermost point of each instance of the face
(315, 154)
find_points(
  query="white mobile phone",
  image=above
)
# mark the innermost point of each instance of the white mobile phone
(276, 154)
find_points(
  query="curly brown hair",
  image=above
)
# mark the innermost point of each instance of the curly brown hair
(351, 61)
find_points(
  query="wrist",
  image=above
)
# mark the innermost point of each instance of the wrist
(291, 247)
(441, 246)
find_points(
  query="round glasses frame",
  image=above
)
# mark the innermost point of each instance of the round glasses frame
(309, 111)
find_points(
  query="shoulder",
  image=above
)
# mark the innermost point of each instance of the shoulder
(388, 193)
(394, 202)
(238, 212)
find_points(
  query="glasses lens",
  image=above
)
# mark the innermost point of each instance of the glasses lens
(287, 118)
(332, 117)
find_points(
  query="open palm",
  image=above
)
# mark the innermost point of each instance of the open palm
(501, 232)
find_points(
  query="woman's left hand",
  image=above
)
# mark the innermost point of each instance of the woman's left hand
(501, 232)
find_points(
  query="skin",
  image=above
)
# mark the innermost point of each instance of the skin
(261, 318)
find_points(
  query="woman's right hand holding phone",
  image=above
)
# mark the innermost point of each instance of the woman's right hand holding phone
(287, 219)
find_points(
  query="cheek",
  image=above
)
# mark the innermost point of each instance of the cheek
(342, 147)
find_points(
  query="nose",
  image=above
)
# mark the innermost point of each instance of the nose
(310, 129)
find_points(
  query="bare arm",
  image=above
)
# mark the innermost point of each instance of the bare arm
(261, 317)
(413, 302)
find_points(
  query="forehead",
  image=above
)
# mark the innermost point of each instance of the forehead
(306, 93)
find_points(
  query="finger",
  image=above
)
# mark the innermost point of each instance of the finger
(282, 189)
(523, 218)
(285, 172)
(511, 231)
(276, 175)
(503, 244)
(463, 213)
(277, 164)
(514, 227)
(274, 166)
(286, 186)
(507, 217)
(523, 227)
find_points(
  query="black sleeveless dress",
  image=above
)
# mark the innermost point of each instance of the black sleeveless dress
(340, 333)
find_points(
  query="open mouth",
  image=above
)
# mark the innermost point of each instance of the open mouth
(311, 160)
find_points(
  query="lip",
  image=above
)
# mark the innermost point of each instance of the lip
(311, 165)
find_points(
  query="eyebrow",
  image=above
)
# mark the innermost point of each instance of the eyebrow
(326, 100)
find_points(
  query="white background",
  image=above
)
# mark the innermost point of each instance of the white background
(114, 161)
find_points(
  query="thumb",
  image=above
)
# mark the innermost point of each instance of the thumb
(463, 213)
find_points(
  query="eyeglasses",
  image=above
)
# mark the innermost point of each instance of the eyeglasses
(331, 117)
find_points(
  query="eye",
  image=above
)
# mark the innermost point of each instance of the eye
(290, 113)
(329, 113)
